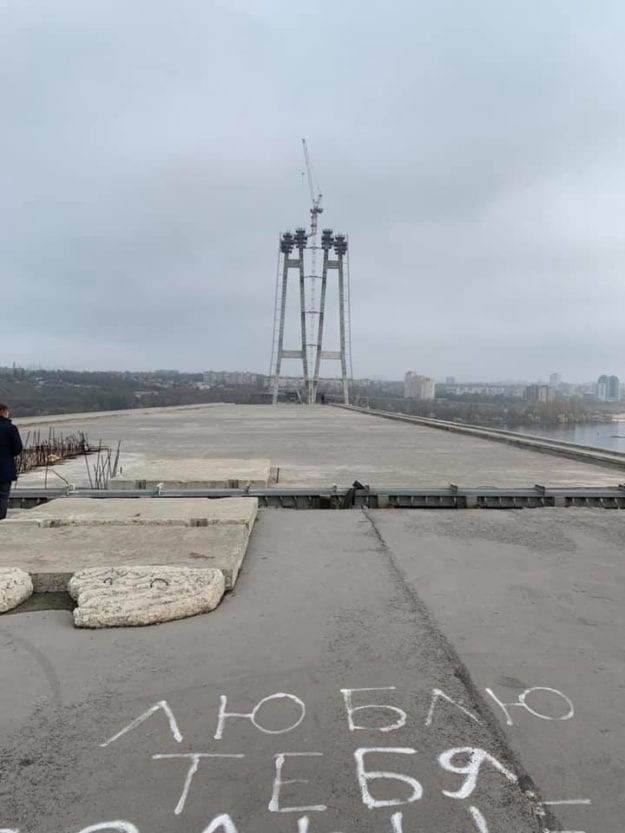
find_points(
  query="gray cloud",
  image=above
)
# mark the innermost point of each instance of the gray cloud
(474, 153)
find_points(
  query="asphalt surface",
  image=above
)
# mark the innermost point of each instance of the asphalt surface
(536, 598)
(323, 604)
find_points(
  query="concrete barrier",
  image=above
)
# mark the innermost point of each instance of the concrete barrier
(54, 419)
(561, 448)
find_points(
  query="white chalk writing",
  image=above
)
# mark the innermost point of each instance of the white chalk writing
(161, 705)
(195, 758)
(570, 802)
(521, 702)
(224, 821)
(279, 782)
(397, 823)
(351, 710)
(460, 769)
(437, 694)
(478, 820)
(471, 769)
(365, 776)
(252, 716)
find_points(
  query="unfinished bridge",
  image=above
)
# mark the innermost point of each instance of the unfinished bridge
(371, 670)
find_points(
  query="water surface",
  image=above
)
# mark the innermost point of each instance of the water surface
(609, 435)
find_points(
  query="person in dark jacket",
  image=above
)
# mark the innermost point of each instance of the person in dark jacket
(10, 447)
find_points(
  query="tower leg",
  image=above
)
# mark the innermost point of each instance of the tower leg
(342, 333)
(319, 344)
(302, 299)
(276, 378)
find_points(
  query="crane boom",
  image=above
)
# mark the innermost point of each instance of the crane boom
(315, 193)
(309, 173)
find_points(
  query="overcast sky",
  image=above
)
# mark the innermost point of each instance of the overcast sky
(474, 152)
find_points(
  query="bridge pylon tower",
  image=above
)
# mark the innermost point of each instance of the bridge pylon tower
(297, 258)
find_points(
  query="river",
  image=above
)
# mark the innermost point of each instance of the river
(601, 434)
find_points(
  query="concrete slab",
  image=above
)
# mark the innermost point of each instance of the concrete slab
(52, 555)
(195, 474)
(139, 512)
(321, 446)
(132, 596)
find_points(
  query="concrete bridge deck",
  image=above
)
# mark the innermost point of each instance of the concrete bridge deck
(323, 445)
(493, 639)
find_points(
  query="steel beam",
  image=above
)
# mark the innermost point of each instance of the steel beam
(450, 497)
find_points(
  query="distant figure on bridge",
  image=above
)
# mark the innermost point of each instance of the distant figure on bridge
(323, 399)
(10, 448)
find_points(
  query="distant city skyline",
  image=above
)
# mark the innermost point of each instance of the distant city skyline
(399, 377)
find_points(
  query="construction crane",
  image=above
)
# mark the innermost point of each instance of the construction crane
(315, 193)
(298, 253)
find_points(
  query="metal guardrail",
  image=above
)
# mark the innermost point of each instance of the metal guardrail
(358, 496)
